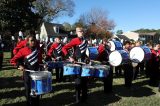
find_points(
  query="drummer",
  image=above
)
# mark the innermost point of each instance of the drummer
(103, 51)
(128, 69)
(55, 52)
(140, 66)
(20, 44)
(31, 56)
(155, 61)
(80, 45)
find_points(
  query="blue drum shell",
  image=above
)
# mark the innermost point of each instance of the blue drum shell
(101, 73)
(71, 70)
(52, 65)
(41, 82)
(59, 64)
(41, 86)
(87, 72)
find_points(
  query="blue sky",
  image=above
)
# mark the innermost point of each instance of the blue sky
(128, 15)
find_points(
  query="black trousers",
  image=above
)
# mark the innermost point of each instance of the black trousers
(59, 74)
(81, 88)
(139, 68)
(31, 100)
(118, 70)
(148, 69)
(128, 74)
(154, 76)
(108, 82)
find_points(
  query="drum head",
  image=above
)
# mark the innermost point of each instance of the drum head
(115, 58)
(113, 47)
(136, 54)
(87, 52)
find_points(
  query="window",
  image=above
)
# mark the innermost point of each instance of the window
(56, 29)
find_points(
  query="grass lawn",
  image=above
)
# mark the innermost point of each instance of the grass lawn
(12, 91)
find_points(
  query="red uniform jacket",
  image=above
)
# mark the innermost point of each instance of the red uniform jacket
(103, 53)
(82, 44)
(31, 58)
(55, 48)
(19, 45)
(155, 59)
(78, 44)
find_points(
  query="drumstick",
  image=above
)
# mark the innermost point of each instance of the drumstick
(30, 70)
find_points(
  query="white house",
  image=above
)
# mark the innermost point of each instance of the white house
(51, 30)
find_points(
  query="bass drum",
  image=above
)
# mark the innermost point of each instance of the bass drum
(138, 54)
(92, 53)
(118, 57)
(115, 45)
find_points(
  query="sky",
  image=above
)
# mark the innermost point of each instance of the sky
(128, 15)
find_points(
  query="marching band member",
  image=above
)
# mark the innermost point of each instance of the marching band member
(148, 63)
(140, 66)
(31, 56)
(155, 61)
(21, 44)
(80, 45)
(128, 69)
(103, 51)
(55, 52)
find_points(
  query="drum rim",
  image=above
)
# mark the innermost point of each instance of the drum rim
(40, 77)
(87, 51)
(76, 65)
(113, 41)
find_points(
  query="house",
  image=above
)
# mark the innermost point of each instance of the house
(149, 37)
(132, 35)
(51, 30)
(144, 37)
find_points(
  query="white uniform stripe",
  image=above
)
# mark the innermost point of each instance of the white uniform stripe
(33, 57)
(32, 63)
(34, 52)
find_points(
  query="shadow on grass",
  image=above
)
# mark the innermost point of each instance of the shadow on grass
(11, 82)
(137, 90)
(17, 104)
(12, 94)
(8, 67)
(66, 98)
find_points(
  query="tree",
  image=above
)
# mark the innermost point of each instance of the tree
(17, 15)
(51, 9)
(67, 26)
(97, 21)
(119, 32)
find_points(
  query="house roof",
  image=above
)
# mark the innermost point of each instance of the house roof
(123, 37)
(131, 35)
(49, 28)
(148, 34)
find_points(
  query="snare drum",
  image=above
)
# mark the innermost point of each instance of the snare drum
(41, 82)
(101, 71)
(71, 69)
(55, 64)
(116, 45)
(138, 54)
(118, 57)
(87, 71)
(92, 52)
